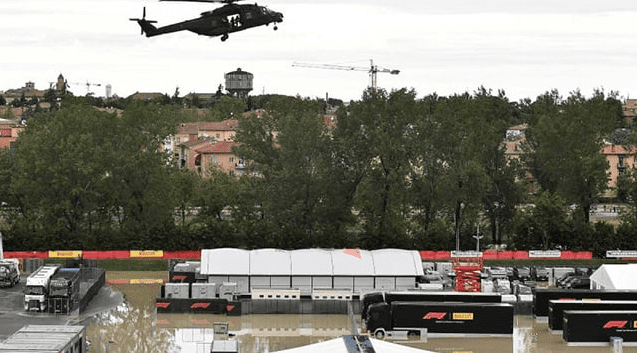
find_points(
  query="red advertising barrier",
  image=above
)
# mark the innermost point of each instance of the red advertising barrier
(584, 255)
(429, 255)
(26, 254)
(505, 255)
(102, 255)
(443, 255)
(183, 255)
(520, 255)
(490, 255)
(567, 255)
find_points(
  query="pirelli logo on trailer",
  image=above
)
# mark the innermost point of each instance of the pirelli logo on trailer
(462, 316)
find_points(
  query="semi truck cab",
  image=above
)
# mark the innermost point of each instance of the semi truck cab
(37, 288)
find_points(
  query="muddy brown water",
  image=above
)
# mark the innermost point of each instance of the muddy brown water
(135, 327)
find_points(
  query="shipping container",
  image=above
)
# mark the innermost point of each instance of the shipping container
(47, 338)
(597, 327)
(557, 308)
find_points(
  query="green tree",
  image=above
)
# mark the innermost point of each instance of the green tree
(286, 148)
(78, 169)
(227, 108)
(385, 125)
(564, 149)
(543, 224)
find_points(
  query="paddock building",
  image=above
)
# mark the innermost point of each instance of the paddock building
(308, 270)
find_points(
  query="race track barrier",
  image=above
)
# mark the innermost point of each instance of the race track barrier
(426, 255)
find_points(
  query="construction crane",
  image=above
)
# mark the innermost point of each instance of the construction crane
(87, 84)
(372, 69)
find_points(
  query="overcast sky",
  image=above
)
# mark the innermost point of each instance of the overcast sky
(525, 47)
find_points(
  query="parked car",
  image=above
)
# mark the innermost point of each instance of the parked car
(497, 272)
(502, 286)
(431, 276)
(540, 273)
(559, 282)
(522, 273)
(576, 282)
(519, 288)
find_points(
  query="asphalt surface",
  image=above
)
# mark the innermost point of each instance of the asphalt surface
(13, 316)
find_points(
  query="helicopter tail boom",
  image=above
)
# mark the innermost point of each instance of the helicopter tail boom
(146, 25)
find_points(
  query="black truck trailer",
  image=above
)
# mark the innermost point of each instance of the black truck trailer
(64, 290)
(541, 297)
(415, 296)
(597, 327)
(557, 308)
(443, 318)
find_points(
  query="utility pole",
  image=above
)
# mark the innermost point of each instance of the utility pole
(1, 248)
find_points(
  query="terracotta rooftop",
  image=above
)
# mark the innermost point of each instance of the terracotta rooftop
(217, 147)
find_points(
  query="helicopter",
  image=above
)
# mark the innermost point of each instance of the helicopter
(221, 21)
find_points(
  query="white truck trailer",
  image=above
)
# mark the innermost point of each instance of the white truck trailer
(37, 288)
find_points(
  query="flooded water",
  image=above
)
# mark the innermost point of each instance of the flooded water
(134, 326)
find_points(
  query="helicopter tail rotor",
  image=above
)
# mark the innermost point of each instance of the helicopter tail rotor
(145, 25)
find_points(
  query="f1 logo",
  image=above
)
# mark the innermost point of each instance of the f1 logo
(434, 315)
(199, 305)
(615, 324)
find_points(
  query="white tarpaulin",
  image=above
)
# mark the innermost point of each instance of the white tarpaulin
(615, 277)
(339, 345)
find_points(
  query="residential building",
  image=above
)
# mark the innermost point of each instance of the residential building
(200, 145)
(218, 154)
(146, 96)
(9, 131)
(28, 91)
(630, 111)
(620, 159)
(514, 142)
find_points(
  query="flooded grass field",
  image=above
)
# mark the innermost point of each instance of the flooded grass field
(133, 326)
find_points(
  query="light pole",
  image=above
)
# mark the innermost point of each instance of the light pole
(478, 237)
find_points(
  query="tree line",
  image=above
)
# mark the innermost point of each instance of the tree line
(393, 170)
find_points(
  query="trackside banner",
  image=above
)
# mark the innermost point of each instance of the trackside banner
(545, 253)
(621, 253)
(147, 253)
(65, 254)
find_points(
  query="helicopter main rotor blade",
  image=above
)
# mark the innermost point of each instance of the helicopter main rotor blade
(212, 1)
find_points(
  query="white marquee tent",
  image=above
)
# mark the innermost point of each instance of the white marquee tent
(615, 277)
(307, 269)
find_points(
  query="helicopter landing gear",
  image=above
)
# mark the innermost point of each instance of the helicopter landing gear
(224, 37)
(276, 27)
